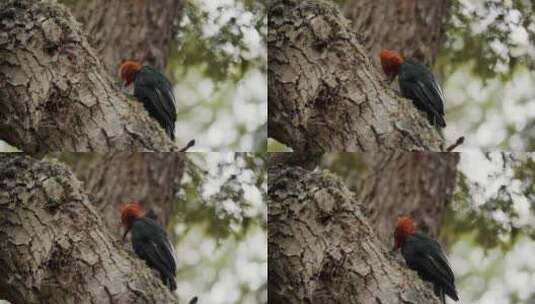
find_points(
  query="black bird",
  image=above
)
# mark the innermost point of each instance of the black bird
(424, 255)
(418, 84)
(154, 90)
(150, 242)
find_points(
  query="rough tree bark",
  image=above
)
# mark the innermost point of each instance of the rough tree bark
(322, 249)
(151, 179)
(413, 27)
(130, 29)
(56, 95)
(55, 249)
(417, 184)
(324, 92)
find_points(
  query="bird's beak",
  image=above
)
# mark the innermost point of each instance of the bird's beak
(125, 233)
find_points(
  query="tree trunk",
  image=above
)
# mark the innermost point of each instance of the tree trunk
(413, 27)
(151, 179)
(416, 184)
(322, 249)
(56, 95)
(324, 92)
(54, 246)
(130, 29)
(416, 28)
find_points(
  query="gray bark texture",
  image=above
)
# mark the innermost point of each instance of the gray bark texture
(322, 248)
(415, 28)
(54, 248)
(130, 29)
(152, 179)
(56, 94)
(324, 92)
(418, 184)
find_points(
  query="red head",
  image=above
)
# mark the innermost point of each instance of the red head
(128, 71)
(129, 213)
(404, 228)
(390, 60)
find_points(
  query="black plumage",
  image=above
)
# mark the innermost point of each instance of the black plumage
(151, 244)
(156, 93)
(425, 256)
(417, 83)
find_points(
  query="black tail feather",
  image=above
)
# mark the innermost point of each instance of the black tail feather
(169, 281)
(439, 292)
(436, 120)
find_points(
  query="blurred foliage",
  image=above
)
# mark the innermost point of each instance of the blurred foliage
(490, 213)
(219, 218)
(219, 61)
(193, 207)
(486, 62)
(493, 36)
(489, 227)
(221, 54)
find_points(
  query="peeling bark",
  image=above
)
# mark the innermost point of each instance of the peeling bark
(55, 249)
(415, 28)
(416, 184)
(324, 92)
(130, 29)
(322, 249)
(56, 95)
(151, 179)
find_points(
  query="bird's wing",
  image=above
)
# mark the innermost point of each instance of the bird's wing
(420, 83)
(430, 262)
(441, 258)
(170, 249)
(426, 92)
(158, 255)
(152, 88)
(438, 91)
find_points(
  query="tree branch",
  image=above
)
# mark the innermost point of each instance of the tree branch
(56, 95)
(55, 248)
(324, 92)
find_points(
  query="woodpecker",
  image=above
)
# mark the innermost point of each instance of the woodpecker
(154, 90)
(424, 255)
(416, 83)
(150, 242)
